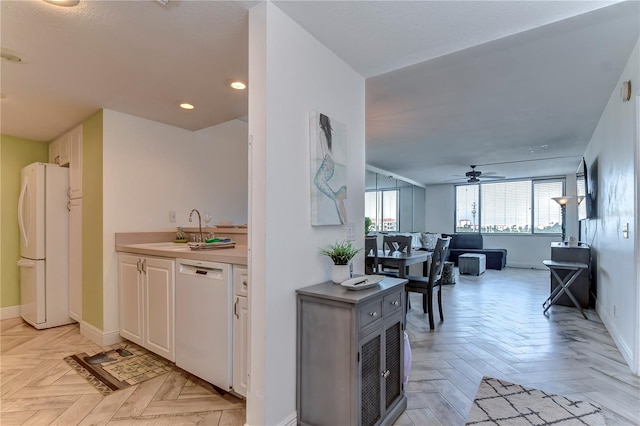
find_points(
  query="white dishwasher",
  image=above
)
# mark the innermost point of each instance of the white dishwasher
(203, 320)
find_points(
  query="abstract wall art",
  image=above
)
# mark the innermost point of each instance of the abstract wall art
(328, 147)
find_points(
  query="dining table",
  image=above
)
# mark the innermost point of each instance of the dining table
(401, 259)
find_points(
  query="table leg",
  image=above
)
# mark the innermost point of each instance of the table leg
(563, 287)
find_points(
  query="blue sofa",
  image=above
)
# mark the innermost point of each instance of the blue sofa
(472, 243)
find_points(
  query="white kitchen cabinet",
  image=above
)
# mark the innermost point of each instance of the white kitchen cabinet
(74, 141)
(147, 293)
(75, 259)
(59, 151)
(240, 329)
(131, 297)
(159, 294)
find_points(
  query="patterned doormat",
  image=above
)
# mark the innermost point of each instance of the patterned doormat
(502, 403)
(119, 368)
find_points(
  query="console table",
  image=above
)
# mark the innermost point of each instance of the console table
(350, 352)
(580, 288)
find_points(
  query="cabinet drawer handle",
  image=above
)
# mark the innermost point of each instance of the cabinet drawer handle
(244, 283)
(385, 374)
(395, 303)
(373, 314)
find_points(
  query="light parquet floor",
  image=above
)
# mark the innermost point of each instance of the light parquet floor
(37, 387)
(494, 326)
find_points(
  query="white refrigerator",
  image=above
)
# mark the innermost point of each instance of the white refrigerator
(43, 219)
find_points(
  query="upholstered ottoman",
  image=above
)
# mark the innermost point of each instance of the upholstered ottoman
(472, 263)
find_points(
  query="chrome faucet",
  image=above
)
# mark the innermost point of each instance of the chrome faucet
(199, 223)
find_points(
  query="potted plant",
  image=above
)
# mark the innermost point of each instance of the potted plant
(367, 225)
(341, 255)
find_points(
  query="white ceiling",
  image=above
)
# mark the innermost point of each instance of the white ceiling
(452, 83)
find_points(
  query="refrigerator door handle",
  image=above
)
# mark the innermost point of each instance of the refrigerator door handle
(24, 192)
(26, 263)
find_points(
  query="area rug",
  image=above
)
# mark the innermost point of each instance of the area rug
(119, 367)
(502, 403)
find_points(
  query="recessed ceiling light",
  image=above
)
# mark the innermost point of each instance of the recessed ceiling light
(238, 85)
(66, 3)
(186, 105)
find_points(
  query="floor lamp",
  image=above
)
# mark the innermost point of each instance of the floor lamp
(563, 201)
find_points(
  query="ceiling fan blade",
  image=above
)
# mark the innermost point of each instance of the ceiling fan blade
(492, 177)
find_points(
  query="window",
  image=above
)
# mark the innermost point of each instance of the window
(506, 207)
(547, 214)
(514, 207)
(382, 208)
(467, 219)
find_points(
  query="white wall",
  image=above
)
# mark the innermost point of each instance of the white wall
(300, 75)
(151, 168)
(227, 196)
(439, 203)
(611, 149)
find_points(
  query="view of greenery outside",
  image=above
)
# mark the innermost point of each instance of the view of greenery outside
(382, 208)
(514, 207)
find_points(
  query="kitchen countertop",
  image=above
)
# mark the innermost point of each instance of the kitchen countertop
(161, 244)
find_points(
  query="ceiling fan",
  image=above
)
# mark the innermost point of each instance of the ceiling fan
(473, 175)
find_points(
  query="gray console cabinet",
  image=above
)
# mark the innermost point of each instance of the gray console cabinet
(580, 288)
(350, 354)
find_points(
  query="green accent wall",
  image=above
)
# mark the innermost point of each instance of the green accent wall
(92, 271)
(15, 153)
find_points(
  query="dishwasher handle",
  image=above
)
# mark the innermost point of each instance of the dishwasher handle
(201, 271)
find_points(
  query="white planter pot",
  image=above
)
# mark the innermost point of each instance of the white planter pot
(340, 273)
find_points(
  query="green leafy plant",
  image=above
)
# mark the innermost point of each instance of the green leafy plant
(340, 253)
(367, 225)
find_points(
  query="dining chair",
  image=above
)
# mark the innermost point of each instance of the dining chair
(403, 243)
(432, 278)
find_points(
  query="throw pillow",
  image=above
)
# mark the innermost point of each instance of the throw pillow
(429, 240)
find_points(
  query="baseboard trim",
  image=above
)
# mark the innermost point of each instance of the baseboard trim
(610, 325)
(10, 312)
(290, 420)
(524, 265)
(98, 336)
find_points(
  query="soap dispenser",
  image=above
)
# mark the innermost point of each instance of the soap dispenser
(181, 236)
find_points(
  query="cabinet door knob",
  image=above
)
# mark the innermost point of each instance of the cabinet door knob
(395, 303)
(373, 314)
(385, 374)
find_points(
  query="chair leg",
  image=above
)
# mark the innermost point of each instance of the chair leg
(425, 307)
(430, 300)
(440, 302)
